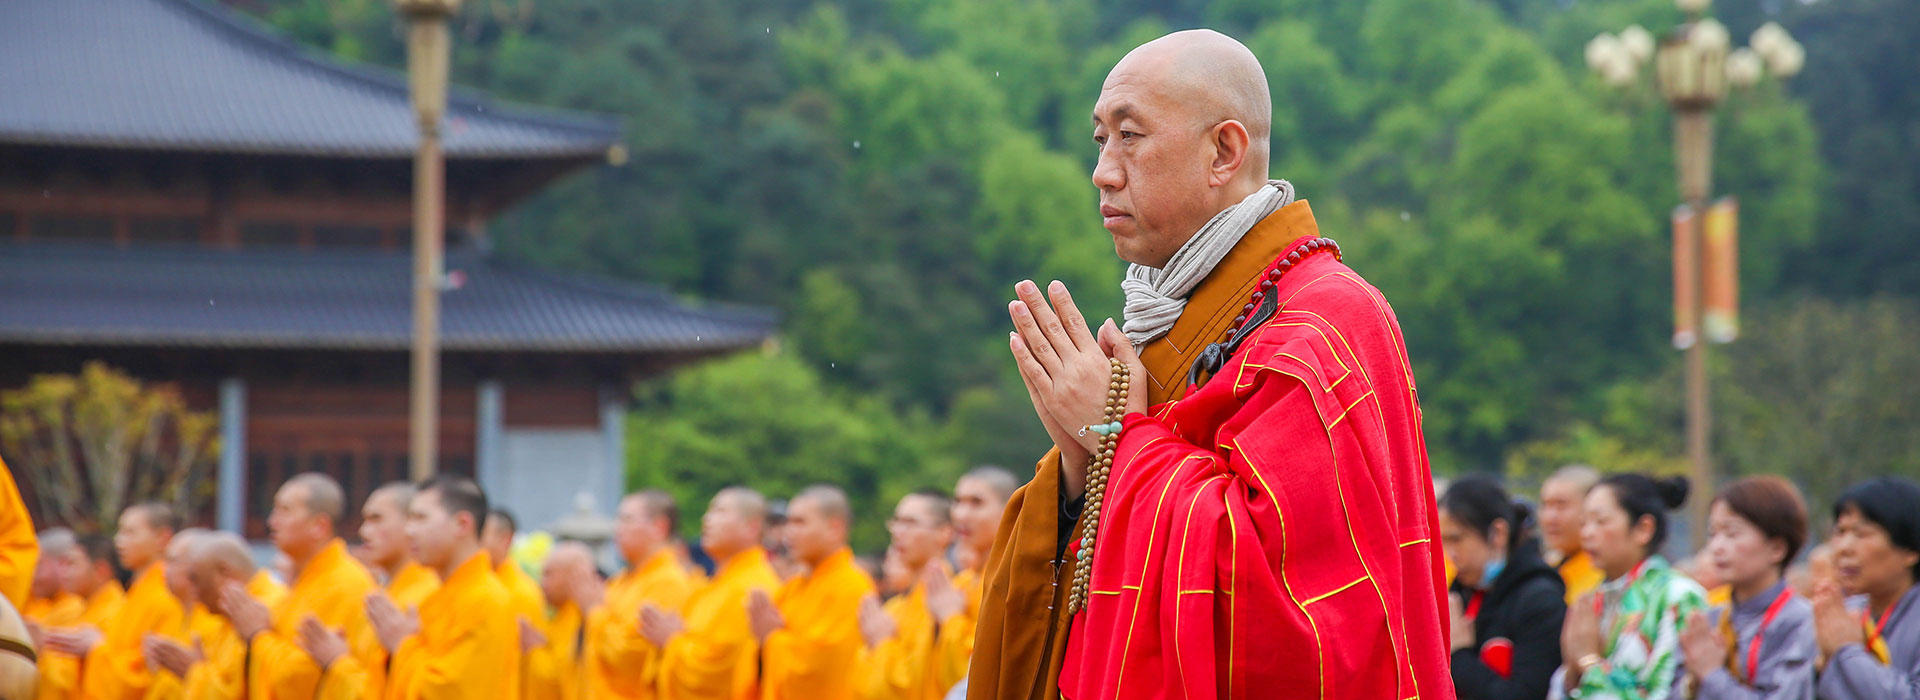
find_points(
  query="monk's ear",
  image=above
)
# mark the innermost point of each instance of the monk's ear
(1230, 149)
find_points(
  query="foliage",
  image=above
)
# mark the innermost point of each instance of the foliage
(770, 422)
(884, 171)
(94, 443)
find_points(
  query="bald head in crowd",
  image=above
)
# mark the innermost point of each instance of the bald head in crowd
(177, 557)
(306, 512)
(56, 543)
(214, 560)
(978, 501)
(817, 522)
(568, 565)
(1562, 502)
(1184, 124)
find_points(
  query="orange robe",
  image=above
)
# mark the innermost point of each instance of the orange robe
(166, 685)
(222, 674)
(266, 589)
(19, 547)
(469, 641)
(1580, 575)
(412, 585)
(62, 610)
(953, 645)
(116, 668)
(332, 588)
(524, 594)
(621, 664)
(901, 667)
(715, 656)
(60, 673)
(1271, 528)
(811, 658)
(553, 670)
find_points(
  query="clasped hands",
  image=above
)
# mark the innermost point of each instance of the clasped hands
(1067, 371)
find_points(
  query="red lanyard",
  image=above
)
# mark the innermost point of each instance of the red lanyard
(1876, 640)
(1473, 606)
(1599, 601)
(1760, 635)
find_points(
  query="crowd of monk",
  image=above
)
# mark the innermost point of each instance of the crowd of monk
(429, 605)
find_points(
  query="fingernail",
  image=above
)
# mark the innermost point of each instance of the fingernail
(1056, 286)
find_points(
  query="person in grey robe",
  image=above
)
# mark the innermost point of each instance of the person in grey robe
(1870, 643)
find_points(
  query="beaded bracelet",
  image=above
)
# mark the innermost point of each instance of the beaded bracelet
(1097, 470)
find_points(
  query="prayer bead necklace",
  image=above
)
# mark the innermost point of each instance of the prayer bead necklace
(1264, 304)
(1097, 470)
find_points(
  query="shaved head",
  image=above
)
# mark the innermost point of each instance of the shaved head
(1216, 77)
(828, 501)
(1000, 482)
(321, 495)
(750, 503)
(224, 552)
(1184, 126)
(567, 566)
(55, 541)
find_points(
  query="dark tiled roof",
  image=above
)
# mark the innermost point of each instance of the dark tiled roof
(185, 75)
(69, 294)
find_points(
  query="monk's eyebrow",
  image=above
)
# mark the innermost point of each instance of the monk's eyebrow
(1119, 113)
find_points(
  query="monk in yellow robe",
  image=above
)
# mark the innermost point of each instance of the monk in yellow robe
(465, 641)
(114, 663)
(978, 500)
(900, 657)
(168, 683)
(552, 665)
(809, 633)
(707, 647)
(328, 587)
(1563, 498)
(88, 567)
(497, 539)
(621, 664)
(383, 537)
(19, 549)
(212, 664)
(265, 588)
(50, 604)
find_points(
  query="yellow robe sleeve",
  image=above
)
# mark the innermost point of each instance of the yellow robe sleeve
(19, 547)
(953, 645)
(553, 670)
(706, 659)
(222, 674)
(468, 645)
(812, 656)
(116, 669)
(899, 667)
(60, 673)
(278, 669)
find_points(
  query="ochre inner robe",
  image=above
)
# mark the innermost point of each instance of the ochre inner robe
(811, 658)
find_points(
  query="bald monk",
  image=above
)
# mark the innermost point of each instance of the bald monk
(707, 648)
(89, 569)
(19, 674)
(113, 662)
(553, 659)
(809, 633)
(213, 665)
(383, 536)
(1267, 384)
(169, 684)
(978, 500)
(50, 604)
(19, 549)
(899, 658)
(465, 641)
(497, 538)
(620, 663)
(1563, 498)
(327, 588)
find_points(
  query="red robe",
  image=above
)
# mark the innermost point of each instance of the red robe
(1272, 533)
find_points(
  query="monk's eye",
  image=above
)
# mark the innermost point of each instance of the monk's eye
(1099, 141)
(1128, 136)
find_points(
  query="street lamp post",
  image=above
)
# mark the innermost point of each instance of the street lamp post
(1693, 69)
(427, 59)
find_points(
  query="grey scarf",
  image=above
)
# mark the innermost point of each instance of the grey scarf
(1156, 296)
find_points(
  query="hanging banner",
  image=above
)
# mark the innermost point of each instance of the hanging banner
(1721, 236)
(1686, 269)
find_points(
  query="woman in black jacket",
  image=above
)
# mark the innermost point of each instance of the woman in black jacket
(1507, 604)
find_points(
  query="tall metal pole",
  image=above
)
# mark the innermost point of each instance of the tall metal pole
(427, 69)
(1693, 145)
